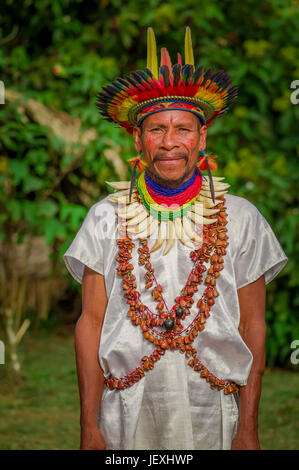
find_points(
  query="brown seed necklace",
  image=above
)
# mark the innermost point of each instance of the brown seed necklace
(171, 334)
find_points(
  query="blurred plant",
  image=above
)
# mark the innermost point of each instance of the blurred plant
(42, 161)
(60, 52)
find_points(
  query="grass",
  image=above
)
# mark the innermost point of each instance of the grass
(279, 410)
(40, 410)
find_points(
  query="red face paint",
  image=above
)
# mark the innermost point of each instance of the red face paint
(171, 143)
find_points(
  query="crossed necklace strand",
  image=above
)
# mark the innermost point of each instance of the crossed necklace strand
(171, 337)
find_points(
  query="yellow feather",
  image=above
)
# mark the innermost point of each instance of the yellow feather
(152, 58)
(189, 57)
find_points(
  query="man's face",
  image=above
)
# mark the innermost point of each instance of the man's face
(170, 142)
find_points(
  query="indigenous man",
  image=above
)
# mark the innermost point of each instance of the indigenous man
(170, 345)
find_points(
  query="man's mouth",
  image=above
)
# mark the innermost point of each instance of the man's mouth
(170, 158)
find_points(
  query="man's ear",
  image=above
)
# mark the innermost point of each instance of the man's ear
(203, 136)
(137, 138)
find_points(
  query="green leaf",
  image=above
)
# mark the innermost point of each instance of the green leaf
(74, 214)
(36, 156)
(19, 170)
(32, 183)
(14, 208)
(53, 229)
(47, 209)
(30, 214)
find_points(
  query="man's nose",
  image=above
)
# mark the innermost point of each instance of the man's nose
(169, 140)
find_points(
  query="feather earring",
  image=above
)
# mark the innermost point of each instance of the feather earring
(133, 180)
(211, 182)
(204, 164)
(137, 163)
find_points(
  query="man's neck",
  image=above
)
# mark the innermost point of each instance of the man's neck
(172, 184)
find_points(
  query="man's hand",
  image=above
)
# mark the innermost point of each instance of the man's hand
(246, 440)
(92, 439)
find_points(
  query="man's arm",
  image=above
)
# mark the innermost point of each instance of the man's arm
(90, 375)
(252, 299)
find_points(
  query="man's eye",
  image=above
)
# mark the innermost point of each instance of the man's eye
(184, 129)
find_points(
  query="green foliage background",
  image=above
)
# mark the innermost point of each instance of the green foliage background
(60, 52)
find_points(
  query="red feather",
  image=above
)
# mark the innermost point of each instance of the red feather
(165, 58)
(202, 164)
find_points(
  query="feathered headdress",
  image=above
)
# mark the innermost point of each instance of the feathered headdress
(131, 99)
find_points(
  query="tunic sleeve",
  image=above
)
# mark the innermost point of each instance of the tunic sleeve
(259, 252)
(87, 248)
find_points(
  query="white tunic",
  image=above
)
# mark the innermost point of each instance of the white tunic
(172, 407)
